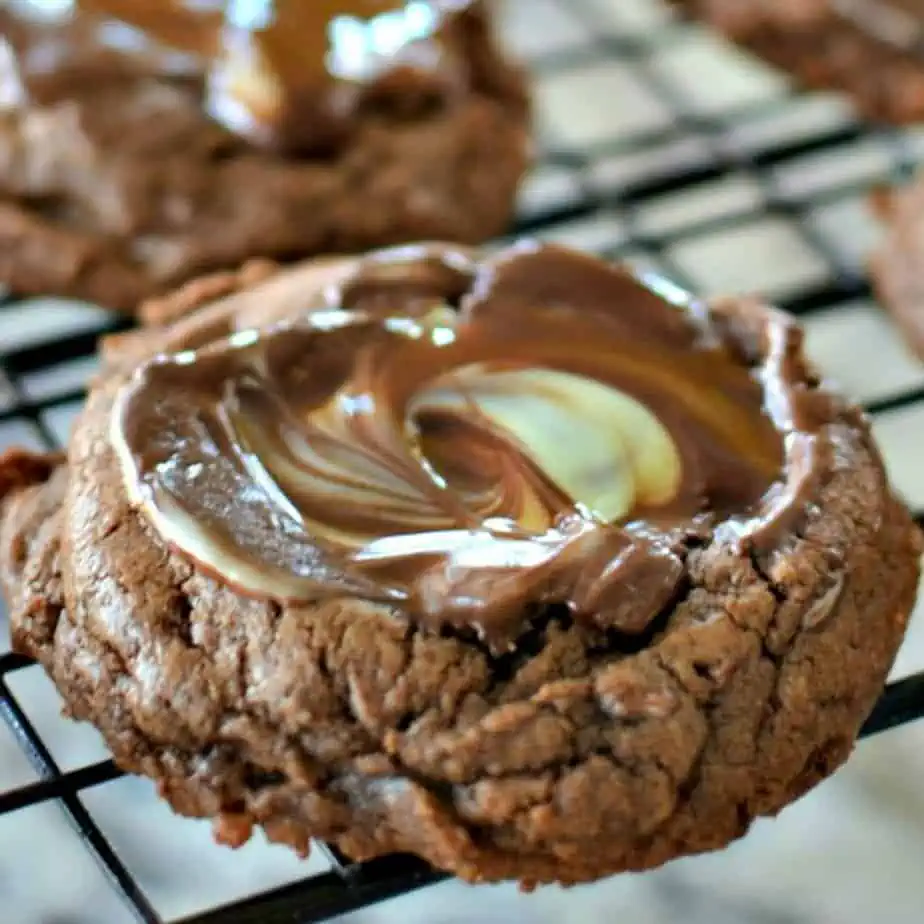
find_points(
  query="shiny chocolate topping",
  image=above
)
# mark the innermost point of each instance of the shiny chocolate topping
(290, 74)
(466, 439)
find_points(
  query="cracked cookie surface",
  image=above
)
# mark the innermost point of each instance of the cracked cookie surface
(571, 756)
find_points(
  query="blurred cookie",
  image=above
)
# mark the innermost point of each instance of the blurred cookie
(896, 267)
(870, 49)
(129, 167)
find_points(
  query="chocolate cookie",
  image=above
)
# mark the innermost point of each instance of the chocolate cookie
(127, 168)
(896, 265)
(529, 566)
(871, 49)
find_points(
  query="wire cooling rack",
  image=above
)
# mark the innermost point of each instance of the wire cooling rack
(658, 145)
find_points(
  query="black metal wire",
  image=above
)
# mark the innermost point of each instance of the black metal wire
(328, 895)
(66, 796)
(350, 886)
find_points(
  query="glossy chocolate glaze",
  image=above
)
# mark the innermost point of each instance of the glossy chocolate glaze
(289, 74)
(467, 439)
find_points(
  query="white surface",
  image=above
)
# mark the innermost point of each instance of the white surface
(561, 30)
(187, 872)
(850, 853)
(44, 319)
(635, 18)
(547, 188)
(712, 77)
(800, 117)
(733, 195)
(615, 173)
(849, 227)
(767, 254)
(19, 433)
(598, 233)
(888, 369)
(864, 161)
(595, 103)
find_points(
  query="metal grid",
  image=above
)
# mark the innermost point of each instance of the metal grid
(633, 166)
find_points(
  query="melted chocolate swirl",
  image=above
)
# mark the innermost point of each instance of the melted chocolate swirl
(460, 439)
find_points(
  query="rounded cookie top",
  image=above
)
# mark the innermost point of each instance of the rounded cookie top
(654, 583)
(142, 144)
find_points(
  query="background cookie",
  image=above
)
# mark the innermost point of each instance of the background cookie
(574, 755)
(115, 186)
(867, 48)
(896, 266)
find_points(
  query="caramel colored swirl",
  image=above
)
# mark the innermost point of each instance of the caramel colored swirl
(291, 74)
(552, 439)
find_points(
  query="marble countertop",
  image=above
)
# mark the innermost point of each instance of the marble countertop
(611, 75)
